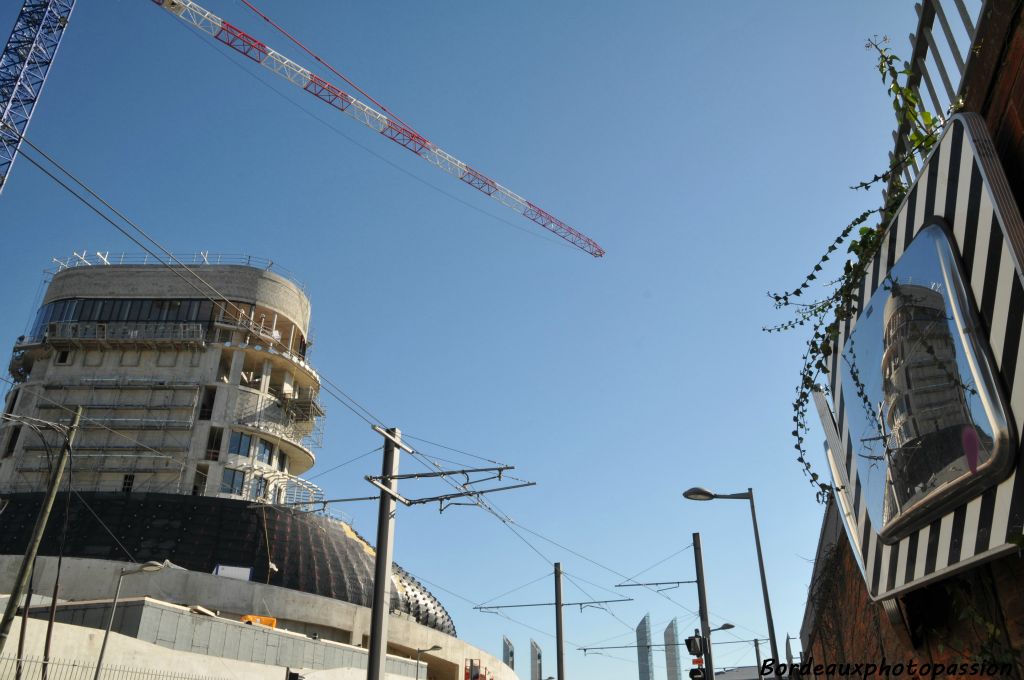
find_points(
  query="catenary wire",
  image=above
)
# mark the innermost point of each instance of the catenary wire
(659, 562)
(350, 460)
(479, 501)
(506, 616)
(516, 589)
(346, 400)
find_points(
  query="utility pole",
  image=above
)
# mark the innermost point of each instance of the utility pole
(21, 580)
(382, 565)
(387, 483)
(558, 604)
(702, 598)
(757, 653)
(560, 655)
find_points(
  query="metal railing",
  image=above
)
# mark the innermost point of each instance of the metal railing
(127, 331)
(31, 668)
(263, 412)
(940, 51)
(194, 259)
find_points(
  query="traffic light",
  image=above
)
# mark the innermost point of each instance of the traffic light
(695, 645)
(696, 674)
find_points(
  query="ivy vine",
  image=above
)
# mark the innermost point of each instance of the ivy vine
(824, 316)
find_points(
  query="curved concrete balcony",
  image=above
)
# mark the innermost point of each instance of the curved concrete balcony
(266, 416)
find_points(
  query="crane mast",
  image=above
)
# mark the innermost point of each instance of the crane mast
(379, 122)
(24, 64)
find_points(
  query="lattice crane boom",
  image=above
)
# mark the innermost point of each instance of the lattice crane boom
(24, 64)
(393, 129)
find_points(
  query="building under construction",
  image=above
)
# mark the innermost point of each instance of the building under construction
(200, 414)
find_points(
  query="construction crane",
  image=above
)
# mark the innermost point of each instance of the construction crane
(388, 125)
(24, 64)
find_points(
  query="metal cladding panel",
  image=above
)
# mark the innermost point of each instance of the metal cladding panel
(963, 186)
(675, 671)
(313, 554)
(644, 652)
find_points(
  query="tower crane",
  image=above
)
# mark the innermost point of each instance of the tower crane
(387, 125)
(24, 64)
(33, 44)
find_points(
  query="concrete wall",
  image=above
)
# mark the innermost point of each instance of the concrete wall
(87, 579)
(175, 627)
(83, 644)
(235, 282)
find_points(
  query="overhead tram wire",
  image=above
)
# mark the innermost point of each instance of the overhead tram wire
(332, 389)
(41, 396)
(345, 400)
(511, 524)
(516, 589)
(659, 562)
(220, 297)
(354, 406)
(621, 575)
(449, 448)
(505, 616)
(350, 460)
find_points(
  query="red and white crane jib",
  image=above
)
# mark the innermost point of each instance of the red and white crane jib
(394, 130)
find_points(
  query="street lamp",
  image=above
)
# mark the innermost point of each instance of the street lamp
(698, 493)
(724, 626)
(147, 567)
(420, 651)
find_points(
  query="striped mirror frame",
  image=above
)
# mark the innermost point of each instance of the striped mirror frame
(963, 186)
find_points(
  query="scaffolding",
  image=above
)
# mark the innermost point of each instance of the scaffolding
(131, 426)
(266, 413)
(145, 335)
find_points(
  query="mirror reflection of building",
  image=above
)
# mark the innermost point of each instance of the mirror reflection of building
(927, 425)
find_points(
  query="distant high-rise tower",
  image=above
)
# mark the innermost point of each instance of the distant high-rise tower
(508, 653)
(675, 671)
(644, 653)
(535, 661)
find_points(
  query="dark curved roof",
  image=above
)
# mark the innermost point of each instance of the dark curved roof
(312, 553)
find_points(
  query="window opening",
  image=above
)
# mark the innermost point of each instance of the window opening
(240, 443)
(264, 451)
(12, 441)
(232, 481)
(206, 407)
(213, 441)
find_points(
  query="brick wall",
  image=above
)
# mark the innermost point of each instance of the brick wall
(975, 616)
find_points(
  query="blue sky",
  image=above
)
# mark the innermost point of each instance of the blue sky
(708, 147)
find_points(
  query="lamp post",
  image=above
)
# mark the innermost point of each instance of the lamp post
(420, 651)
(701, 494)
(147, 567)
